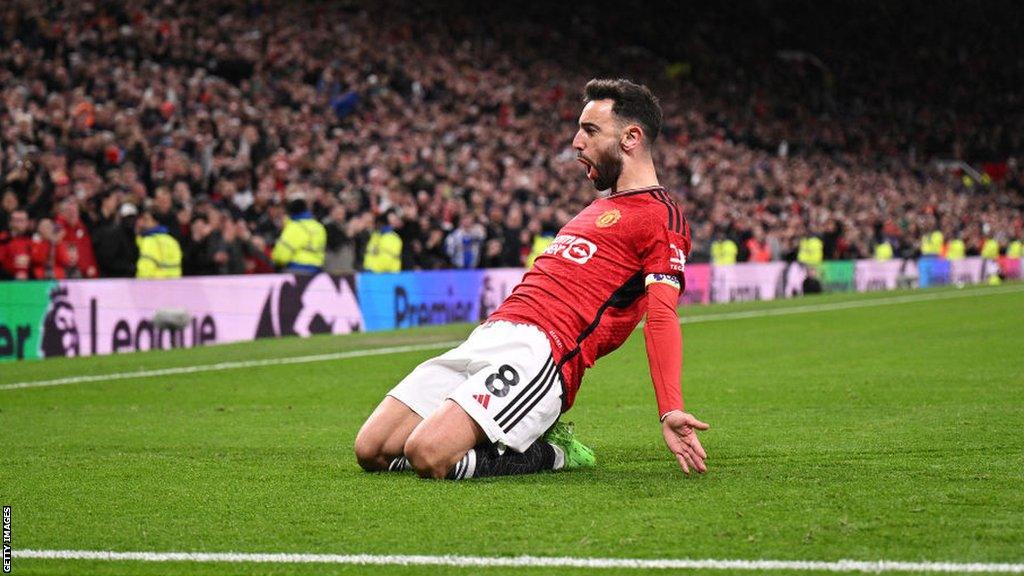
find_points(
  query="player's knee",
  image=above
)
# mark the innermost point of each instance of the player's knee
(369, 453)
(426, 458)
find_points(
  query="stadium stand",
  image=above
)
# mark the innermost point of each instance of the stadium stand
(449, 135)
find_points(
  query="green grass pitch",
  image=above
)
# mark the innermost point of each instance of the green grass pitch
(880, 432)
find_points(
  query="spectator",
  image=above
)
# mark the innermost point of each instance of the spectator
(159, 252)
(165, 214)
(98, 98)
(464, 243)
(114, 238)
(539, 240)
(230, 259)
(757, 247)
(8, 204)
(340, 256)
(16, 247)
(300, 248)
(254, 251)
(433, 256)
(506, 232)
(53, 257)
(80, 245)
(811, 283)
(723, 250)
(200, 247)
(384, 249)
(270, 223)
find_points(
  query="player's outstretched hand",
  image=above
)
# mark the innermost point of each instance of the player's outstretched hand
(680, 433)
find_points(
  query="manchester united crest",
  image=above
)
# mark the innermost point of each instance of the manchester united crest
(608, 218)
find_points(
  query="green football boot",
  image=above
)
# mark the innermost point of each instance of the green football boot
(576, 454)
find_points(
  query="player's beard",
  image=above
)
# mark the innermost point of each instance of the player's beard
(608, 166)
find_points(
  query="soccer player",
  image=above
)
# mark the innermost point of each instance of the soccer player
(491, 406)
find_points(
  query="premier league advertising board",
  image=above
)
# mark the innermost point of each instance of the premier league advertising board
(698, 285)
(742, 282)
(873, 275)
(1010, 268)
(966, 270)
(23, 306)
(837, 275)
(407, 299)
(932, 271)
(95, 317)
(92, 317)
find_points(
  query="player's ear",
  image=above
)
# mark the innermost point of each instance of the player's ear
(632, 136)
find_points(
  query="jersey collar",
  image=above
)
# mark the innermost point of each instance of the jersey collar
(632, 191)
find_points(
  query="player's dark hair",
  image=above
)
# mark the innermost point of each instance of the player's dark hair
(632, 102)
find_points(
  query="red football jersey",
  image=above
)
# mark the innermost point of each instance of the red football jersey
(587, 290)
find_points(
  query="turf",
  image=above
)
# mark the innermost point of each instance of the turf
(884, 432)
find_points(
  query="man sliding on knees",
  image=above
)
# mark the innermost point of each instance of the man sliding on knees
(491, 406)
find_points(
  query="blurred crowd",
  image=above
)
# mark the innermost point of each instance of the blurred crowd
(444, 142)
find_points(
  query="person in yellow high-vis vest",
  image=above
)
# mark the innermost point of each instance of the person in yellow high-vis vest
(990, 249)
(159, 252)
(723, 252)
(1015, 249)
(931, 243)
(956, 249)
(540, 244)
(990, 252)
(384, 250)
(883, 251)
(811, 251)
(300, 248)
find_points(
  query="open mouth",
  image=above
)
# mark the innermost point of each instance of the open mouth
(591, 171)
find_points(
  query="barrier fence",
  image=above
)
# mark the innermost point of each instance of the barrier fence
(41, 319)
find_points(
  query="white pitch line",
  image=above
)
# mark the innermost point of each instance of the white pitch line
(450, 344)
(850, 305)
(874, 567)
(230, 365)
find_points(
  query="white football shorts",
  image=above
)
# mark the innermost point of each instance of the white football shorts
(503, 376)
